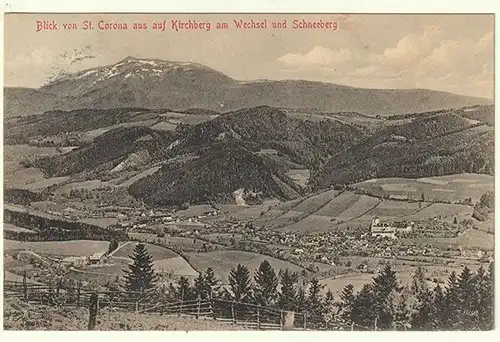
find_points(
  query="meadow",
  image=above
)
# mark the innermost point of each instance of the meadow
(58, 248)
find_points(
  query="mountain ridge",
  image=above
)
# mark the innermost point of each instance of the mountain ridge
(155, 83)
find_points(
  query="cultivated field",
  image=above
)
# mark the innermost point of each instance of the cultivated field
(443, 188)
(58, 248)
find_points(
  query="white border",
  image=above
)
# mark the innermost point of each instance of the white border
(255, 6)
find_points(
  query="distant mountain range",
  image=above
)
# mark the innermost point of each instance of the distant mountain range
(210, 160)
(157, 84)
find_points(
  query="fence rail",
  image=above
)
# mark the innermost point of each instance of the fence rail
(224, 311)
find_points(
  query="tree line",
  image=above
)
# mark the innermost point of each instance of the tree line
(48, 229)
(465, 303)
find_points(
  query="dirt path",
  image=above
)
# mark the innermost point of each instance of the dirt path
(120, 247)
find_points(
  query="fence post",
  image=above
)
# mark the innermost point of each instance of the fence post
(282, 322)
(376, 323)
(93, 311)
(258, 317)
(352, 326)
(78, 289)
(199, 304)
(232, 312)
(182, 302)
(305, 320)
(212, 306)
(25, 288)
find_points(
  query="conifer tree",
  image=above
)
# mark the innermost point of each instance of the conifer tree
(452, 303)
(200, 287)
(383, 286)
(266, 284)
(329, 303)
(315, 305)
(421, 301)
(438, 310)
(240, 284)
(484, 303)
(211, 283)
(140, 276)
(467, 298)
(300, 304)
(183, 289)
(346, 306)
(288, 295)
(363, 312)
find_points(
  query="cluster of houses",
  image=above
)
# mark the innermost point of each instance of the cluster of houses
(81, 261)
(386, 229)
(144, 219)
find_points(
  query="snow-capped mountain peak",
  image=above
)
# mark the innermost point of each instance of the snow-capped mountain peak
(130, 67)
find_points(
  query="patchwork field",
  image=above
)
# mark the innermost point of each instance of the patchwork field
(58, 248)
(446, 188)
(177, 242)
(397, 208)
(332, 209)
(315, 203)
(442, 210)
(339, 204)
(223, 261)
(310, 224)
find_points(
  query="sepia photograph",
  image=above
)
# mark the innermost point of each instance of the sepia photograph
(237, 171)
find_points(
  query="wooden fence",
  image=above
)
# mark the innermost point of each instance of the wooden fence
(232, 312)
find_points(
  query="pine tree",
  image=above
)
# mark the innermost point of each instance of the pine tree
(329, 303)
(421, 302)
(266, 284)
(240, 284)
(452, 303)
(346, 305)
(402, 302)
(288, 295)
(363, 312)
(384, 285)
(183, 289)
(315, 305)
(467, 298)
(113, 244)
(438, 310)
(140, 277)
(200, 287)
(211, 283)
(484, 303)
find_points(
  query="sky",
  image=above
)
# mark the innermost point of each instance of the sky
(452, 53)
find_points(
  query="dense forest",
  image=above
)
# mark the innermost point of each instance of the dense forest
(428, 146)
(47, 229)
(213, 176)
(210, 160)
(464, 303)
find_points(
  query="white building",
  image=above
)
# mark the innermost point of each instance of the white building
(385, 229)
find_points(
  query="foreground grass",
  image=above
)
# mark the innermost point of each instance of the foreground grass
(22, 316)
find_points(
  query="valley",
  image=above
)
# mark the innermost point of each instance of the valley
(208, 190)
